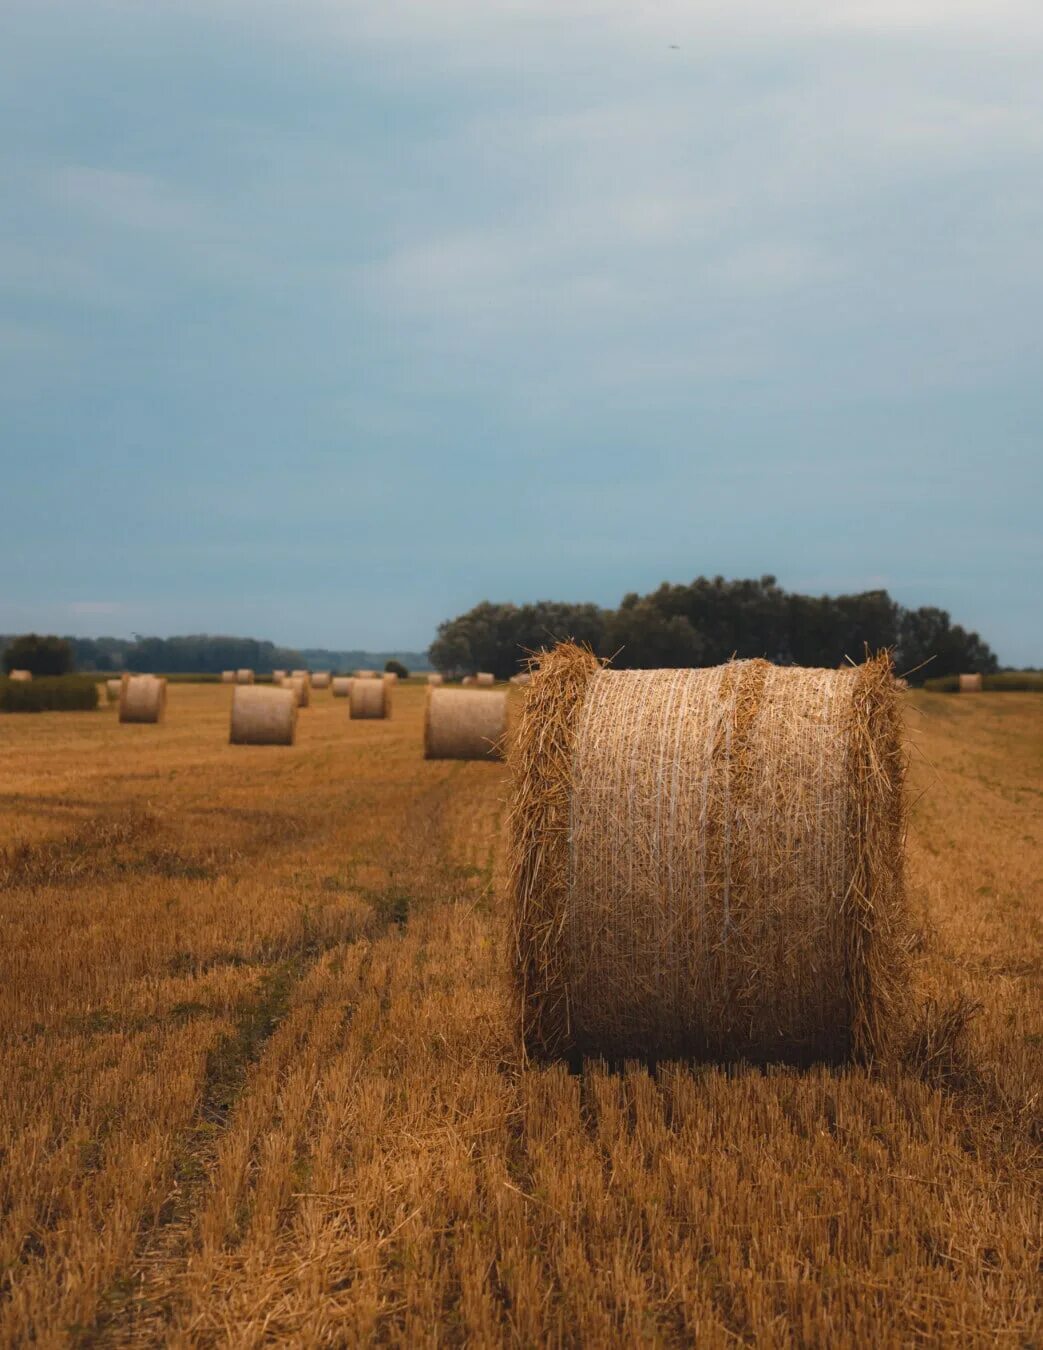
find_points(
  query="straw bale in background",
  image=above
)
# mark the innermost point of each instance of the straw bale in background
(143, 698)
(244, 676)
(483, 677)
(20, 675)
(371, 698)
(228, 677)
(970, 684)
(262, 715)
(341, 686)
(464, 724)
(301, 689)
(320, 679)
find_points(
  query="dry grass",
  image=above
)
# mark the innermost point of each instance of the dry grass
(260, 1085)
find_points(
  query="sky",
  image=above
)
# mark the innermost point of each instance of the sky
(322, 321)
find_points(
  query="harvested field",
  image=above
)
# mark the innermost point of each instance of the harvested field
(260, 1084)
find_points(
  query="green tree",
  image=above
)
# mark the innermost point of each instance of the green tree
(48, 655)
(393, 667)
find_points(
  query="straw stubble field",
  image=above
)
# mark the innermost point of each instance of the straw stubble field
(259, 1080)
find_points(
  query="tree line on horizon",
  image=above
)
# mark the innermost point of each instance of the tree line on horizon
(709, 621)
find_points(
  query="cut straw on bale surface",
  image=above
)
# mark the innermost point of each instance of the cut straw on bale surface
(20, 675)
(143, 698)
(320, 679)
(970, 684)
(708, 863)
(301, 690)
(112, 689)
(263, 716)
(228, 676)
(341, 686)
(483, 677)
(244, 676)
(464, 724)
(371, 698)
(434, 678)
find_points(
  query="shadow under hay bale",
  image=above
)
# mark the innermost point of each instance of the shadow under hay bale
(708, 863)
(143, 698)
(370, 698)
(464, 724)
(263, 716)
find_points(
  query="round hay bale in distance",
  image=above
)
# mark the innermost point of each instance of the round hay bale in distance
(301, 675)
(263, 716)
(278, 676)
(365, 675)
(370, 698)
(341, 686)
(435, 678)
(112, 689)
(228, 676)
(20, 676)
(483, 677)
(708, 863)
(143, 698)
(970, 684)
(523, 677)
(244, 676)
(467, 681)
(464, 724)
(301, 690)
(320, 679)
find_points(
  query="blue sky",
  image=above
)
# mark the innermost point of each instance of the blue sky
(322, 321)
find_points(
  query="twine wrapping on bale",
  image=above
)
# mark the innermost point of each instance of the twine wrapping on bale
(341, 686)
(371, 698)
(320, 679)
(244, 676)
(301, 690)
(143, 698)
(263, 716)
(483, 677)
(464, 724)
(228, 677)
(970, 684)
(708, 863)
(435, 678)
(20, 676)
(112, 689)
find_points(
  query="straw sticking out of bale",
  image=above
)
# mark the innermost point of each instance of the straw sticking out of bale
(341, 686)
(228, 677)
(464, 724)
(371, 698)
(320, 679)
(20, 675)
(244, 676)
(263, 716)
(708, 863)
(301, 690)
(970, 684)
(483, 677)
(143, 698)
(434, 678)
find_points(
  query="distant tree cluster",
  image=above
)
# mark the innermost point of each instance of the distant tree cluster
(48, 655)
(711, 620)
(202, 654)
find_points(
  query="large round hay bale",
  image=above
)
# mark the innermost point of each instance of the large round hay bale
(20, 676)
(263, 716)
(244, 676)
(112, 689)
(370, 698)
(708, 863)
(464, 724)
(435, 678)
(320, 679)
(228, 676)
(301, 690)
(970, 684)
(483, 677)
(341, 686)
(143, 698)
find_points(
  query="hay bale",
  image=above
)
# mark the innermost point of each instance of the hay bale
(112, 690)
(301, 675)
(708, 863)
(464, 724)
(483, 677)
(371, 698)
(365, 675)
(970, 684)
(467, 681)
(391, 676)
(522, 678)
(228, 677)
(278, 676)
(263, 716)
(301, 690)
(20, 676)
(244, 676)
(143, 698)
(435, 678)
(320, 679)
(341, 686)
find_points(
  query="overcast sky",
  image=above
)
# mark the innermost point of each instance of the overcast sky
(321, 321)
